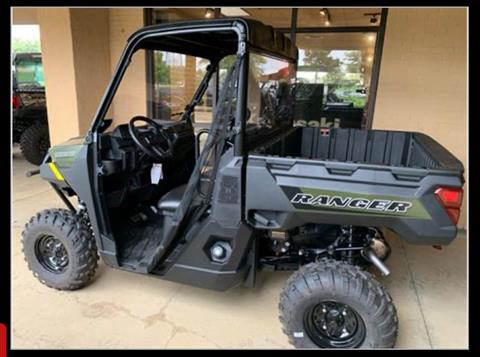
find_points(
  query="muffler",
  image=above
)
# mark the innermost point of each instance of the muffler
(370, 255)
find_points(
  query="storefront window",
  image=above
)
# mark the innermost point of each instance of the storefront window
(334, 75)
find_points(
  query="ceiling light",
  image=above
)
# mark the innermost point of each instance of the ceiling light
(234, 11)
(209, 13)
(328, 18)
(373, 17)
(369, 59)
(371, 38)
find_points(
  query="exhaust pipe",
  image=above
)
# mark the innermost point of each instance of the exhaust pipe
(375, 260)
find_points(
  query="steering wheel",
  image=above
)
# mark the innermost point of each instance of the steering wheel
(151, 142)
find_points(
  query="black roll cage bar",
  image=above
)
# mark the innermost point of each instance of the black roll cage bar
(202, 87)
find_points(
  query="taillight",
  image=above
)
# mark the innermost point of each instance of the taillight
(15, 101)
(451, 199)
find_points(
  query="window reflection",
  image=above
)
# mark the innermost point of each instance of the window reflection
(334, 73)
(176, 77)
(270, 91)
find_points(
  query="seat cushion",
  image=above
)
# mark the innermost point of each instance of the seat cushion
(171, 200)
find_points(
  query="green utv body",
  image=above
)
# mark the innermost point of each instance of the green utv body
(274, 196)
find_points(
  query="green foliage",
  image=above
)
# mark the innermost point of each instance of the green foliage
(24, 45)
(353, 61)
(162, 70)
(322, 61)
(227, 62)
(358, 102)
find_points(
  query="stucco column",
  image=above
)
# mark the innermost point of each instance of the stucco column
(423, 78)
(131, 96)
(190, 77)
(76, 60)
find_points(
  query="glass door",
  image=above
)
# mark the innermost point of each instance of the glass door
(333, 78)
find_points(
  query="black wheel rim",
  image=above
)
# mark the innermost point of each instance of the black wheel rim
(331, 324)
(52, 254)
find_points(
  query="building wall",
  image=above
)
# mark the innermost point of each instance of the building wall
(25, 16)
(422, 83)
(59, 69)
(131, 97)
(90, 40)
(76, 63)
(81, 48)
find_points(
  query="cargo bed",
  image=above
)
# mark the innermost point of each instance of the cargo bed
(372, 147)
(313, 175)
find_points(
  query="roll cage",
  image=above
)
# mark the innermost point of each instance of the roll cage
(212, 40)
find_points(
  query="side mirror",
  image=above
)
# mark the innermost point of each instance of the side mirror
(104, 125)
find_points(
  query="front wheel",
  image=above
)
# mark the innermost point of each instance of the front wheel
(60, 249)
(332, 304)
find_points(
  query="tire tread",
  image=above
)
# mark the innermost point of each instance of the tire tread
(83, 244)
(347, 279)
(28, 140)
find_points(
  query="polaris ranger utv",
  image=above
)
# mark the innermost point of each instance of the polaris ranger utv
(259, 193)
(30, 125)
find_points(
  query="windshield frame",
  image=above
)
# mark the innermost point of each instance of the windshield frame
(26, 61)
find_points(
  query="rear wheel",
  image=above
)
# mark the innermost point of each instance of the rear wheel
(332, 304)
(34, 143)
(60, 249)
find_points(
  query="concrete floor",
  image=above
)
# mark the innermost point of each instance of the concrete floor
(126, 310)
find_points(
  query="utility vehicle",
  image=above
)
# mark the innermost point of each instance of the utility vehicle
(30, 125)
(257, 193)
